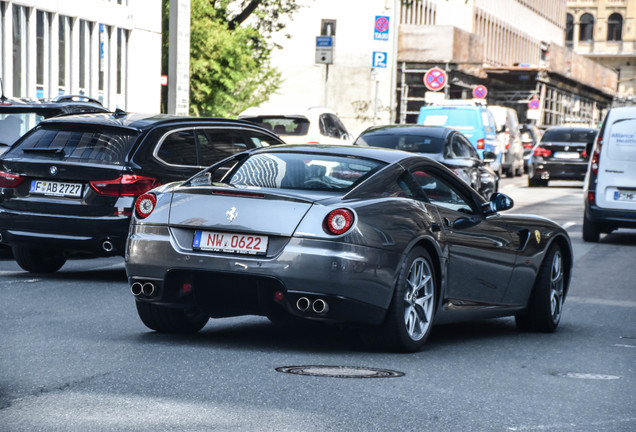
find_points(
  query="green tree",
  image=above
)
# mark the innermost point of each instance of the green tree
(230, 53)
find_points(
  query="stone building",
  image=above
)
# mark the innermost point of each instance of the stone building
(605, 31)
(516, 48)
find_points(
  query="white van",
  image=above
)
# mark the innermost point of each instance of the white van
(610, 183)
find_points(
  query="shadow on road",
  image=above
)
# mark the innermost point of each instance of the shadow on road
(317, 338)
(624, 238)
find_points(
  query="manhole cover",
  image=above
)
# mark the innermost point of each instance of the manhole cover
(589, 376)
(340, 371)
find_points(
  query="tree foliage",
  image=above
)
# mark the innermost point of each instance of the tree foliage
(230, 53)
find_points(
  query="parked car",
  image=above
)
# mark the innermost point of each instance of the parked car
(562, 154)
(509, 136)
(69, 185)
(388, 240)
(610, 183)
(443, 144)
(18, 116)
(472, 119)
(315, 125)
(530, 136)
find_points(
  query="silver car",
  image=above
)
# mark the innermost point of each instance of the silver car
(386, 240)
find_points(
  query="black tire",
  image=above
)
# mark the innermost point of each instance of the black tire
(38, 260)
(537, 182)
(543, 313)
(591, 230)
(510, 172)
(171, 320)
(409, 319)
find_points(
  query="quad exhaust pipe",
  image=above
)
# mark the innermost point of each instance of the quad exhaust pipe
(107, 246)
(146, 288)
(318, 306)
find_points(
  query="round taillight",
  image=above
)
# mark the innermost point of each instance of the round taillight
(145, 204)
(339, 221)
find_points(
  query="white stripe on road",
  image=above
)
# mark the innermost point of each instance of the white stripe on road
(601, 301)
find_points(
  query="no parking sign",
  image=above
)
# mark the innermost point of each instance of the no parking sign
(381, 28)
(480, 92)
(435, 79)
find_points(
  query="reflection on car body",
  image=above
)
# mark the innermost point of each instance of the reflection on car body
(443, 144)
(383, 239)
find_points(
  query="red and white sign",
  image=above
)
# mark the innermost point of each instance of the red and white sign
(435, 79)
(480, 92)
(164, 80)
(534, 103)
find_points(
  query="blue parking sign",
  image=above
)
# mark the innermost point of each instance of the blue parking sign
(379, 59)
(381, 28)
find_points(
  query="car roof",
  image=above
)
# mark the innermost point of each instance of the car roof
(311, 111)
(141, 122)
(9, 105)
(385, 155)
(410, 129)
(571, 128)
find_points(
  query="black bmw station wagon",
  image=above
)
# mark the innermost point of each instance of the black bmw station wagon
(69, 185)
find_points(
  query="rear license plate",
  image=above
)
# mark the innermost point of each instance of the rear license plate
(566, 155)
(624, 196)
(42, 187)
(230, 242)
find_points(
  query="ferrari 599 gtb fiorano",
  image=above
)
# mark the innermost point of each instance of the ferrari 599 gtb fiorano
(386, 240)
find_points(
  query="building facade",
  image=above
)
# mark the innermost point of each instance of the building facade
(106, 49)
(514, 47)
(605, 31)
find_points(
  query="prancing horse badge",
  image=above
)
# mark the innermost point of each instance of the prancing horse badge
(231, 214)
(537, 235)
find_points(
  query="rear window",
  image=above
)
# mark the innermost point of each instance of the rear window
(282, 125)
(410, 143)
(297, 171)
(457, 118)
(109, 145)
(570, 135)
(13, 126)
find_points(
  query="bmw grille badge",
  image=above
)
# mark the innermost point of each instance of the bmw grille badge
(231, 214)
(53, 170)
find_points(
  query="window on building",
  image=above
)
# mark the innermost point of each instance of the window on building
(122, 46)
(43, 36)
(615, 27)
(19, 49)
(63, 43)
(569, 28)
(586, 27)
(83, 56)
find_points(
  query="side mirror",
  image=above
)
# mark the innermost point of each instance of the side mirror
(498, 202)
(488, 157)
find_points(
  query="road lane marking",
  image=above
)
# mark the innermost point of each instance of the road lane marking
(602, 302)
(568, 225)
(573, 426)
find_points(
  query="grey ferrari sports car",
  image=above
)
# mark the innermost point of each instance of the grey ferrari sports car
(385, 240)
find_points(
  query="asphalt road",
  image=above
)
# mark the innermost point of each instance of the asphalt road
(74, 356)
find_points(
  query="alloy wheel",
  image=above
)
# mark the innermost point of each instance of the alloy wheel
(418, 299)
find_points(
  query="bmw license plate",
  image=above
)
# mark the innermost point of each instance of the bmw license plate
(42, 187)
(230, 242)
(624, 196)
(566, 155)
